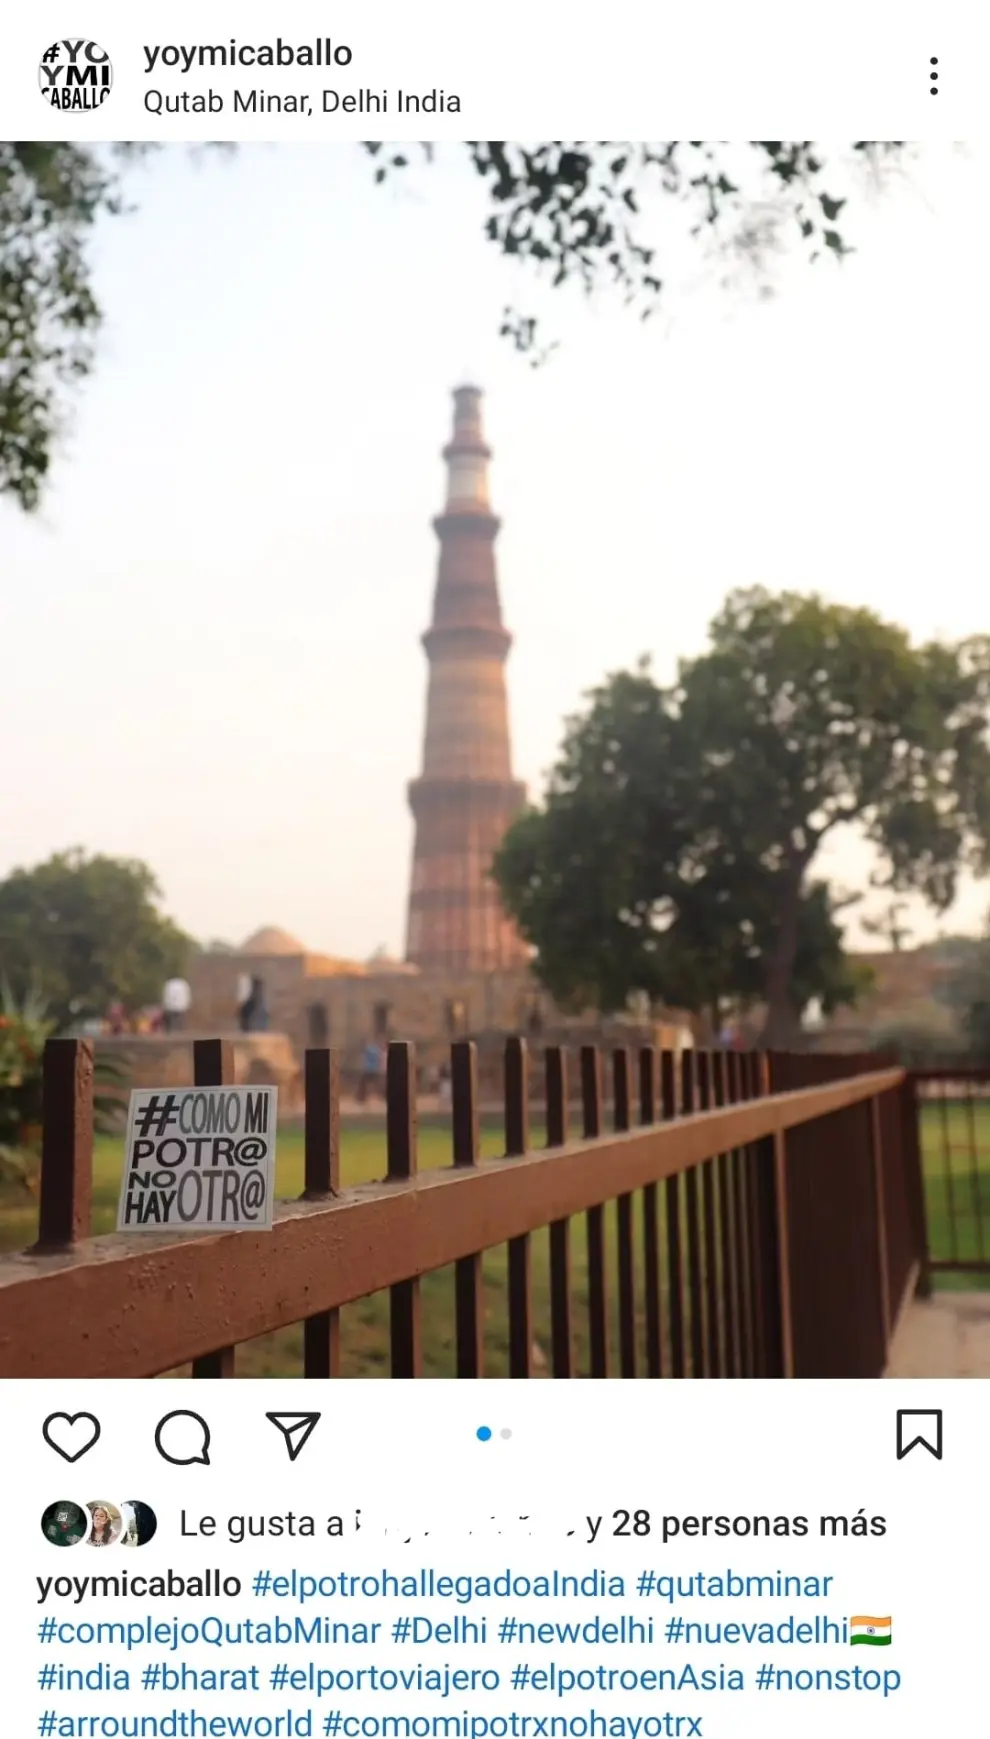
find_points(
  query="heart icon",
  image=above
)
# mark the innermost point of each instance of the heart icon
(70, 1434)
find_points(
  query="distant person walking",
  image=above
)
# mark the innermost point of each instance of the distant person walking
(176, 1002)
(444, 1086)
(253, 1013)
(371, 1068)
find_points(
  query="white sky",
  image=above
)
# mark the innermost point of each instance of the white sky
(210, 633)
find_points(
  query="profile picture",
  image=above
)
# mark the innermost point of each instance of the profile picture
(140, 1523)
(106, 1524)
(64, 1523)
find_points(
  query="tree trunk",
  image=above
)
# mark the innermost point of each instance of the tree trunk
(782, 1025)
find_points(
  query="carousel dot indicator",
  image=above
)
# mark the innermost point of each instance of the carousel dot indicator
(505, 1434)
(483, 1433)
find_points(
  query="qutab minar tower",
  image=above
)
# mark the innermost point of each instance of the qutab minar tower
(465, 797)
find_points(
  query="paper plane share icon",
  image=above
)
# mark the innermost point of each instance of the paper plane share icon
(296, 1428)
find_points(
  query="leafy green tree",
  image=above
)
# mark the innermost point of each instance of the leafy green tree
(805, 716)
(50, 197)
(674, 849)
(572, 209)
(81, 932)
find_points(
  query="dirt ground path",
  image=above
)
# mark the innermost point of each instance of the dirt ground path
(947, 1335)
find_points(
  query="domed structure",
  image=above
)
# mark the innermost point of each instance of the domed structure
(270, 940)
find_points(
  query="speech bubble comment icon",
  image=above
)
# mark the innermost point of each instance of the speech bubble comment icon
(183, 1438)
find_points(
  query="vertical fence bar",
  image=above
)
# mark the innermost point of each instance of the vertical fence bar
(910, 1103)
(213, 1066)
(520, 1266)
(705, 1064)
(401, 1142)
(321, 1086)
(748, 1063)
(974, 1176)
(591, 1107)
(876, 1151)
(66, 1190)
(695, 1281)
(947, 1172)
(759, 1159)
(561, 1336)
(770, 1242)
(622, 1120)
(774, 1203)
(651, 1227)
(675, 1260)
(469, 1296)
(738, 1214)
(720, 1093)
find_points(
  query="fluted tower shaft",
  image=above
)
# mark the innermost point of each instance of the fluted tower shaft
(465, 797)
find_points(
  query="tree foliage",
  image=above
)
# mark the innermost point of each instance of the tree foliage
(81, 932)
(50, 197)
(674, 849)
(573, 209)
(577, 210)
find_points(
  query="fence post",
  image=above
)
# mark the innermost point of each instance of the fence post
(672, 1205)
(651, 1224)
(561, 1339)
(591, 1106)
(401, 1130)
(773, 1235)
(621, 1120)
(699, 1368)
(65, 1207)
(469, 1298)
(516, 1095)
(321, 1076)
(213, 1066)
(910, 1110)
(875, 1138)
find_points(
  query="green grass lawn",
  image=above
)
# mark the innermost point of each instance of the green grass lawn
(955, 1148)
(952, 1182)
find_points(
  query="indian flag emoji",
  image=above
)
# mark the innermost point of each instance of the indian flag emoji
(875, 1631)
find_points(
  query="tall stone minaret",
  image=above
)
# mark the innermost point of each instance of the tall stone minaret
(466, 796)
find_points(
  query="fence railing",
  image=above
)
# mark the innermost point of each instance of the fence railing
(745, 1215)
(953, 1114)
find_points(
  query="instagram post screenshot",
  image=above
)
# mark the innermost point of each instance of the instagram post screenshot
(494, 873)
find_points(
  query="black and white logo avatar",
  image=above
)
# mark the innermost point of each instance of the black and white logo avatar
(75, 74)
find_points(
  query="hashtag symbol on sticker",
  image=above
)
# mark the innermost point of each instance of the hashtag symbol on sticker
(157, 1116)
(52, 53)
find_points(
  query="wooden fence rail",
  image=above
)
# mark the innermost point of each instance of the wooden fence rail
(767, 1222)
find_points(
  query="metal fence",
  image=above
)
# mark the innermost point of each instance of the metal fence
(744, 1215)
(953, 1115)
